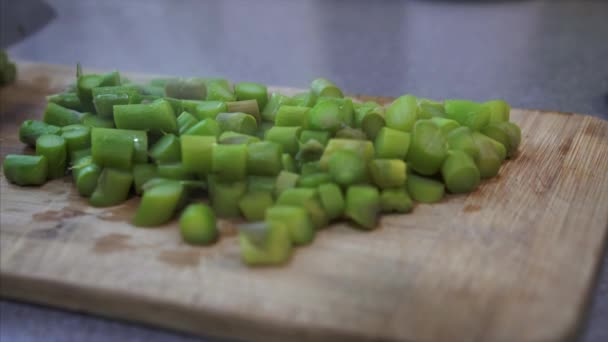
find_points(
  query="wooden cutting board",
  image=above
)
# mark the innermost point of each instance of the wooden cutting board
(513, 261)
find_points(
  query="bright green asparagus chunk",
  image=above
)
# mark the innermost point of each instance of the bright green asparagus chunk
(313, 180)
(291, 116)
(332, 200)
(75, 156)
(205, 127)
(25, 170)
(247, 106)
(166, 149)
(428, 148)
(506, 133)
(459, 172)
(499, 110)
(142, 173)
(287, 137)
(391, 143)
(351, 133)
(264, 158)
(191, 88)
(445, 125)
(30, 130)
(297, 221)
(217, 91)
(185, 121)
(272, 106)
(253, 205)
(105, 98)
(363, 149)
(112, 148)
(423, 189)
(158, 204)
(468, 113)
(229, 162)
(157, 116)
(139, 141)
(92, 120)
(261, 184)
(362, 205)
(175, 171)
(388, 173)
(347, 167)
(68, 100)
(86, 175)
(429, 109)
(197, 152)
(462, 139)
(324, 87)
(112, 188)
(307, 199)
(77, 137)
(285, 180)
(197, 225)
(209, 109)
(275, 248)
(325, 116)
(396, 200)
(225, 196)
(237, 122)
(402, 113)
(321, 136)
(54, 148)
(370, 119)
(306, 99)
(490, 155)
(60, 116)
(252, 91)
(310, 167)
(234, 138)
(311, 150)
(86, 83)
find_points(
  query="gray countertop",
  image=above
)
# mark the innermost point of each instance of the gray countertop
(550, 55)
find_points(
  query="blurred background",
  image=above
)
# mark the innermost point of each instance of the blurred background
(550, 55)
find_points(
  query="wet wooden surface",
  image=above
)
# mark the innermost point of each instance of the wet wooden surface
(512, 261)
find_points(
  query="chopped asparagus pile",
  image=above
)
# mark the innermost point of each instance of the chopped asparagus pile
(290, 165)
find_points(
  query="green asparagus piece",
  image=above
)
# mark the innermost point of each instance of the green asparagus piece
(363, 149)
(429, 109)
(246, 106)
(217, 91)
(291, 116)
(423, 189)
(324, 87)
(261, 184)
(30, 130)
(139, 141)
(313, 180)
(347, 167)
(351, 133)
(307, 199)
(233, 138)
(285, 180)
(459, 172)
(86, 83)
(370, 119)
(402, 113)
(86, 175)
(445, 125)
(311, 150)
(252, 91)
(306, 99)
(264, 158)
(237, 122)
(142, 173)
(25, 170)
(198, 225)
(60, 116)
(205, 127)
(229, 162)
(428, 148)
(310, 167)
(112, 188)
(506, 133)
(396, 200)
(191, 88)
(112, 148)
(158, 204)
(105, 98)
(166, 149)
(253, 205)
(468, 113)
(274, 249)
(499, 110)
(388, 173)
(185, 121)
(54, 148)
(77, 137)
(92, 120)
(391, 143)
(321, 136)
(325, 116)
(286, 137)
(332, 200)
(175, 171)
(75, 156)
(225, 196)
(462, 139)
(362, 205)
(156, 116)
(209, 109)
(272, 106)
(288, 163)
(68, 100)
(490, 155)
(297, 221)
(197, 152)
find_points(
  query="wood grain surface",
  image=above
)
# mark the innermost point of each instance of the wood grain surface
(513, 261)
